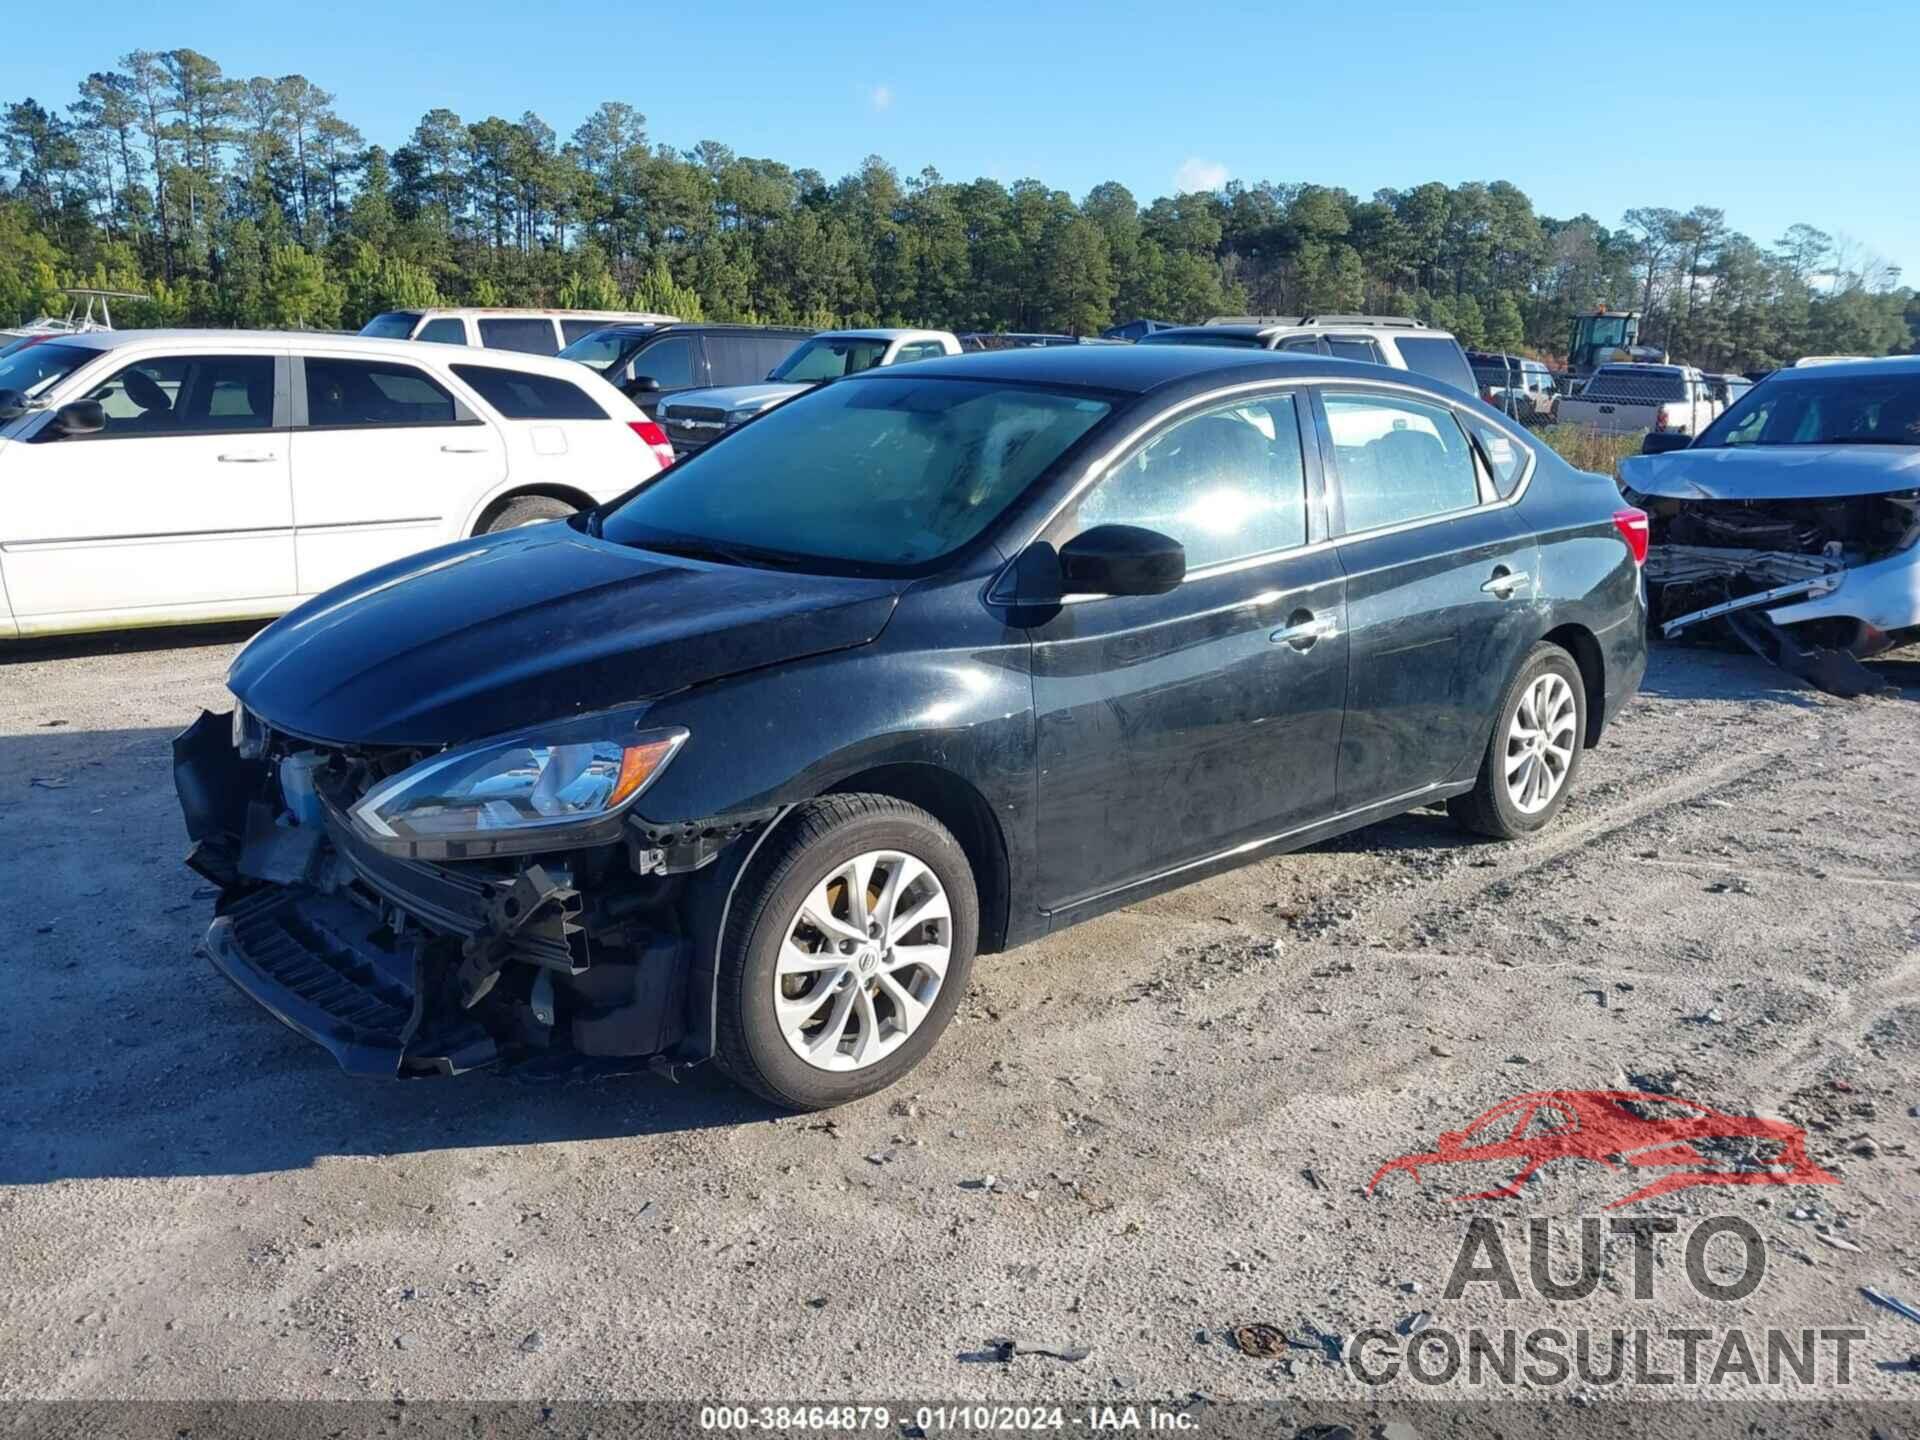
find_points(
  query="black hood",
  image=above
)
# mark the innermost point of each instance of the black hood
(510, 630)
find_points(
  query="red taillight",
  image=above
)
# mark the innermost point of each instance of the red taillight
(1632, 525)
(656, 440)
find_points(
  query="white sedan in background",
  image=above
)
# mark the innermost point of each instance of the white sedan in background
(167, 476)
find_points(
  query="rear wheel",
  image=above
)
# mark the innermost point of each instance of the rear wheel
(527, 510)
(1529, 766)
(847, 950)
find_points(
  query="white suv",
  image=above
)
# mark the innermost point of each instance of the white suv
(159, 477)
(1391, 340)
(531, 332)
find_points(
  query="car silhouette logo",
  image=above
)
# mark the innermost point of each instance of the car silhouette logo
(1625, 1131)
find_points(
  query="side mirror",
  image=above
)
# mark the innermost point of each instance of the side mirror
(643, 385)
(1121, 560)
(1657, 443)
(82, 417)
(12, 405)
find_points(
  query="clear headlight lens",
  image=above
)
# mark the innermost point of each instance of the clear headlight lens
(527, 786)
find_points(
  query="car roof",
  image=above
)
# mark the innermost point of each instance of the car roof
(1137, 369)
(881, 333)
(215, 341)
(1886, 365)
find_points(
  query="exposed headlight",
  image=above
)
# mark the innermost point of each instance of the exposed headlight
(537, 792)
(249, 733)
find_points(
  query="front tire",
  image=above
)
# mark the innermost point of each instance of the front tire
(1534, 753)
(848, 947)
(526, 510)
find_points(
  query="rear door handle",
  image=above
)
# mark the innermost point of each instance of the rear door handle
(1505, 582)
(249, 457)
(463, 449)
(1303, 630)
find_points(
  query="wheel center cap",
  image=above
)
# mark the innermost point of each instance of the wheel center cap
(869, 961)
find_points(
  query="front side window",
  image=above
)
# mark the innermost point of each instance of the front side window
(828, 357)
(447, 330)
(521, 395)
(189, 395)
(877, 476)
(601, 349)
(363, 394)
(1398, 460)
(669, 362)
(529, 334)
(918, 350)
(33, 367)
(1228, 484)
(1353, 347)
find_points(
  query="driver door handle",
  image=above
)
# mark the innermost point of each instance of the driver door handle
(1505, 582)
(1303, 630)
(248, 457)
(463, 449)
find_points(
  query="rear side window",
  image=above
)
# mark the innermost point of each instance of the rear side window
(521, 395)
(733, 359)
(1444, 360)
(572, 330)
(1227, 484)
(530, 335)
(447, 330)
(1506, 456)
(1398, 460)
(361, 394)
(1353, 347)
(919, 350)
(189, 395)
(770, 350)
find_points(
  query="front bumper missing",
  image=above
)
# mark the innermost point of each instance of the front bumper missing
(400, 966)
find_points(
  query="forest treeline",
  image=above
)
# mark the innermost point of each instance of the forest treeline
(253, 202)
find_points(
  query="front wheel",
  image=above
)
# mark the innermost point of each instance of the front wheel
(847, 949)
(1535, 750)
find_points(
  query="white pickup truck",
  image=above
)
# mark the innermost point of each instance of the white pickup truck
(1663, 399)
(694, 419)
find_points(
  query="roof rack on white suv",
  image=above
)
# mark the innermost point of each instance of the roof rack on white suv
(1395, 322)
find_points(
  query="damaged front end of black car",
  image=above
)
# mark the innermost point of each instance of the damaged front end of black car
(429, 913)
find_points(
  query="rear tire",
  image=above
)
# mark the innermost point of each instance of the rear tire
(817, 1008)
(527, 510)
(1534, 753)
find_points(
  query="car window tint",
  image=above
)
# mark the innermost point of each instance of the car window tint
(668, 361)
(531, 335)
(919, 350)
(447, 330)
(1506, 456)
(520, 395)
(1301, 344)
(572, 330)
(189, 395)
(362, 393)
(1227, 484)
(733, 359)
(1353, 348)
(773, 350)
(1442, 359)
(1398, 460)
(391, 325)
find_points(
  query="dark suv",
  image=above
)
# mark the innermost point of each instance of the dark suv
(929, 661)
(647, 362)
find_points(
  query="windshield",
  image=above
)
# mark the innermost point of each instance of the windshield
(37, 366)
(1831, 410)
(602, 349)
(875, 476)
(1196, 337)
(828, 357)
(1607, 330)
(394, 325)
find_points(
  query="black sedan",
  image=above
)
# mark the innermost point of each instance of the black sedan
(750, 764)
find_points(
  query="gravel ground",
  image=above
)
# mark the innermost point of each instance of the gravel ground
(1139, 1136)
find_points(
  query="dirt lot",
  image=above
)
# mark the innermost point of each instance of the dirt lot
(1179, 1106)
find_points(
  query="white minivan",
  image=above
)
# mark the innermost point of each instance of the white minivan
(161, 477)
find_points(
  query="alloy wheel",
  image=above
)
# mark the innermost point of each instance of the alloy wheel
(862, 961)
(1540, 743)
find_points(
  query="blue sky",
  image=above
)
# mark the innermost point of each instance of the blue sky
(1773, 112)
